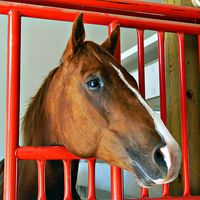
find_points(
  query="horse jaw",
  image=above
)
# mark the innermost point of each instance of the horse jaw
(171, 152)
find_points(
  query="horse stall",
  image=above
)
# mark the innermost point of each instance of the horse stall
(166, 50)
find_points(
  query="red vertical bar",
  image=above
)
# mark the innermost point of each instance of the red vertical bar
(181, 58)
(141, 77)
(41, 180)
(116, 173)
(12, 105)
(144, 192)
(140, 38)
(161, 61)
(67, 180)
(91, 179)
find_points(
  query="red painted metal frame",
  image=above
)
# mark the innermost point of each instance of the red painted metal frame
(41, 179)
(115, 172)
(67, 180)
(162, 84)
(12, 104)
(44, 153)
(100, 19)
(137, 8)
(126, 7)
(91, 179)
(185, 158)
(141, 76)
(141, 72)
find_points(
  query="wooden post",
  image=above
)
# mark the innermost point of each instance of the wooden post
(193, 101)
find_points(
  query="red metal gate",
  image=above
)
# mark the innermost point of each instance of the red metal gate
(128, 14)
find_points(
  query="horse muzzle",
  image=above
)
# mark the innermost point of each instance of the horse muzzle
(159, 167)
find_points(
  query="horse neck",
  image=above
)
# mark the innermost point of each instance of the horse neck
(36, 127)
(36, 132)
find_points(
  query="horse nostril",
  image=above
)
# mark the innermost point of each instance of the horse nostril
(159, 160)
(158, 157)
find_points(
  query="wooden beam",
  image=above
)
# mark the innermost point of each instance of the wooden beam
(193, 101)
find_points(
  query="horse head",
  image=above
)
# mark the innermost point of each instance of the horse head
(96, 111)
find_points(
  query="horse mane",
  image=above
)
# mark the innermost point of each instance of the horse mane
(35, 109)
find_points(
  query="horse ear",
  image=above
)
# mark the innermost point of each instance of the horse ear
(77, 37)
(110, 43)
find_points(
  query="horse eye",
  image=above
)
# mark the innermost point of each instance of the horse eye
(94, 84)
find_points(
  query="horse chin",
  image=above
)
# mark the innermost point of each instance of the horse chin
(142, 178)
(144, 183)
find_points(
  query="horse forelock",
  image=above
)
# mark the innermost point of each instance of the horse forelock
(92, 50)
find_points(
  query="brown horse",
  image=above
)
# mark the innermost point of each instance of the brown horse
(90, 105)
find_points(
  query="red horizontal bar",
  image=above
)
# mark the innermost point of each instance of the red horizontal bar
(126, 7)
(44, 153)
(170, 198)
(101, 19)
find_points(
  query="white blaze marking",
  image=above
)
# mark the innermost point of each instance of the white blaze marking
(166, 155)
(159, 125)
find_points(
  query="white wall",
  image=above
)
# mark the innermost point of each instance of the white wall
(151, 80)
(42, 44)
(3, 51)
